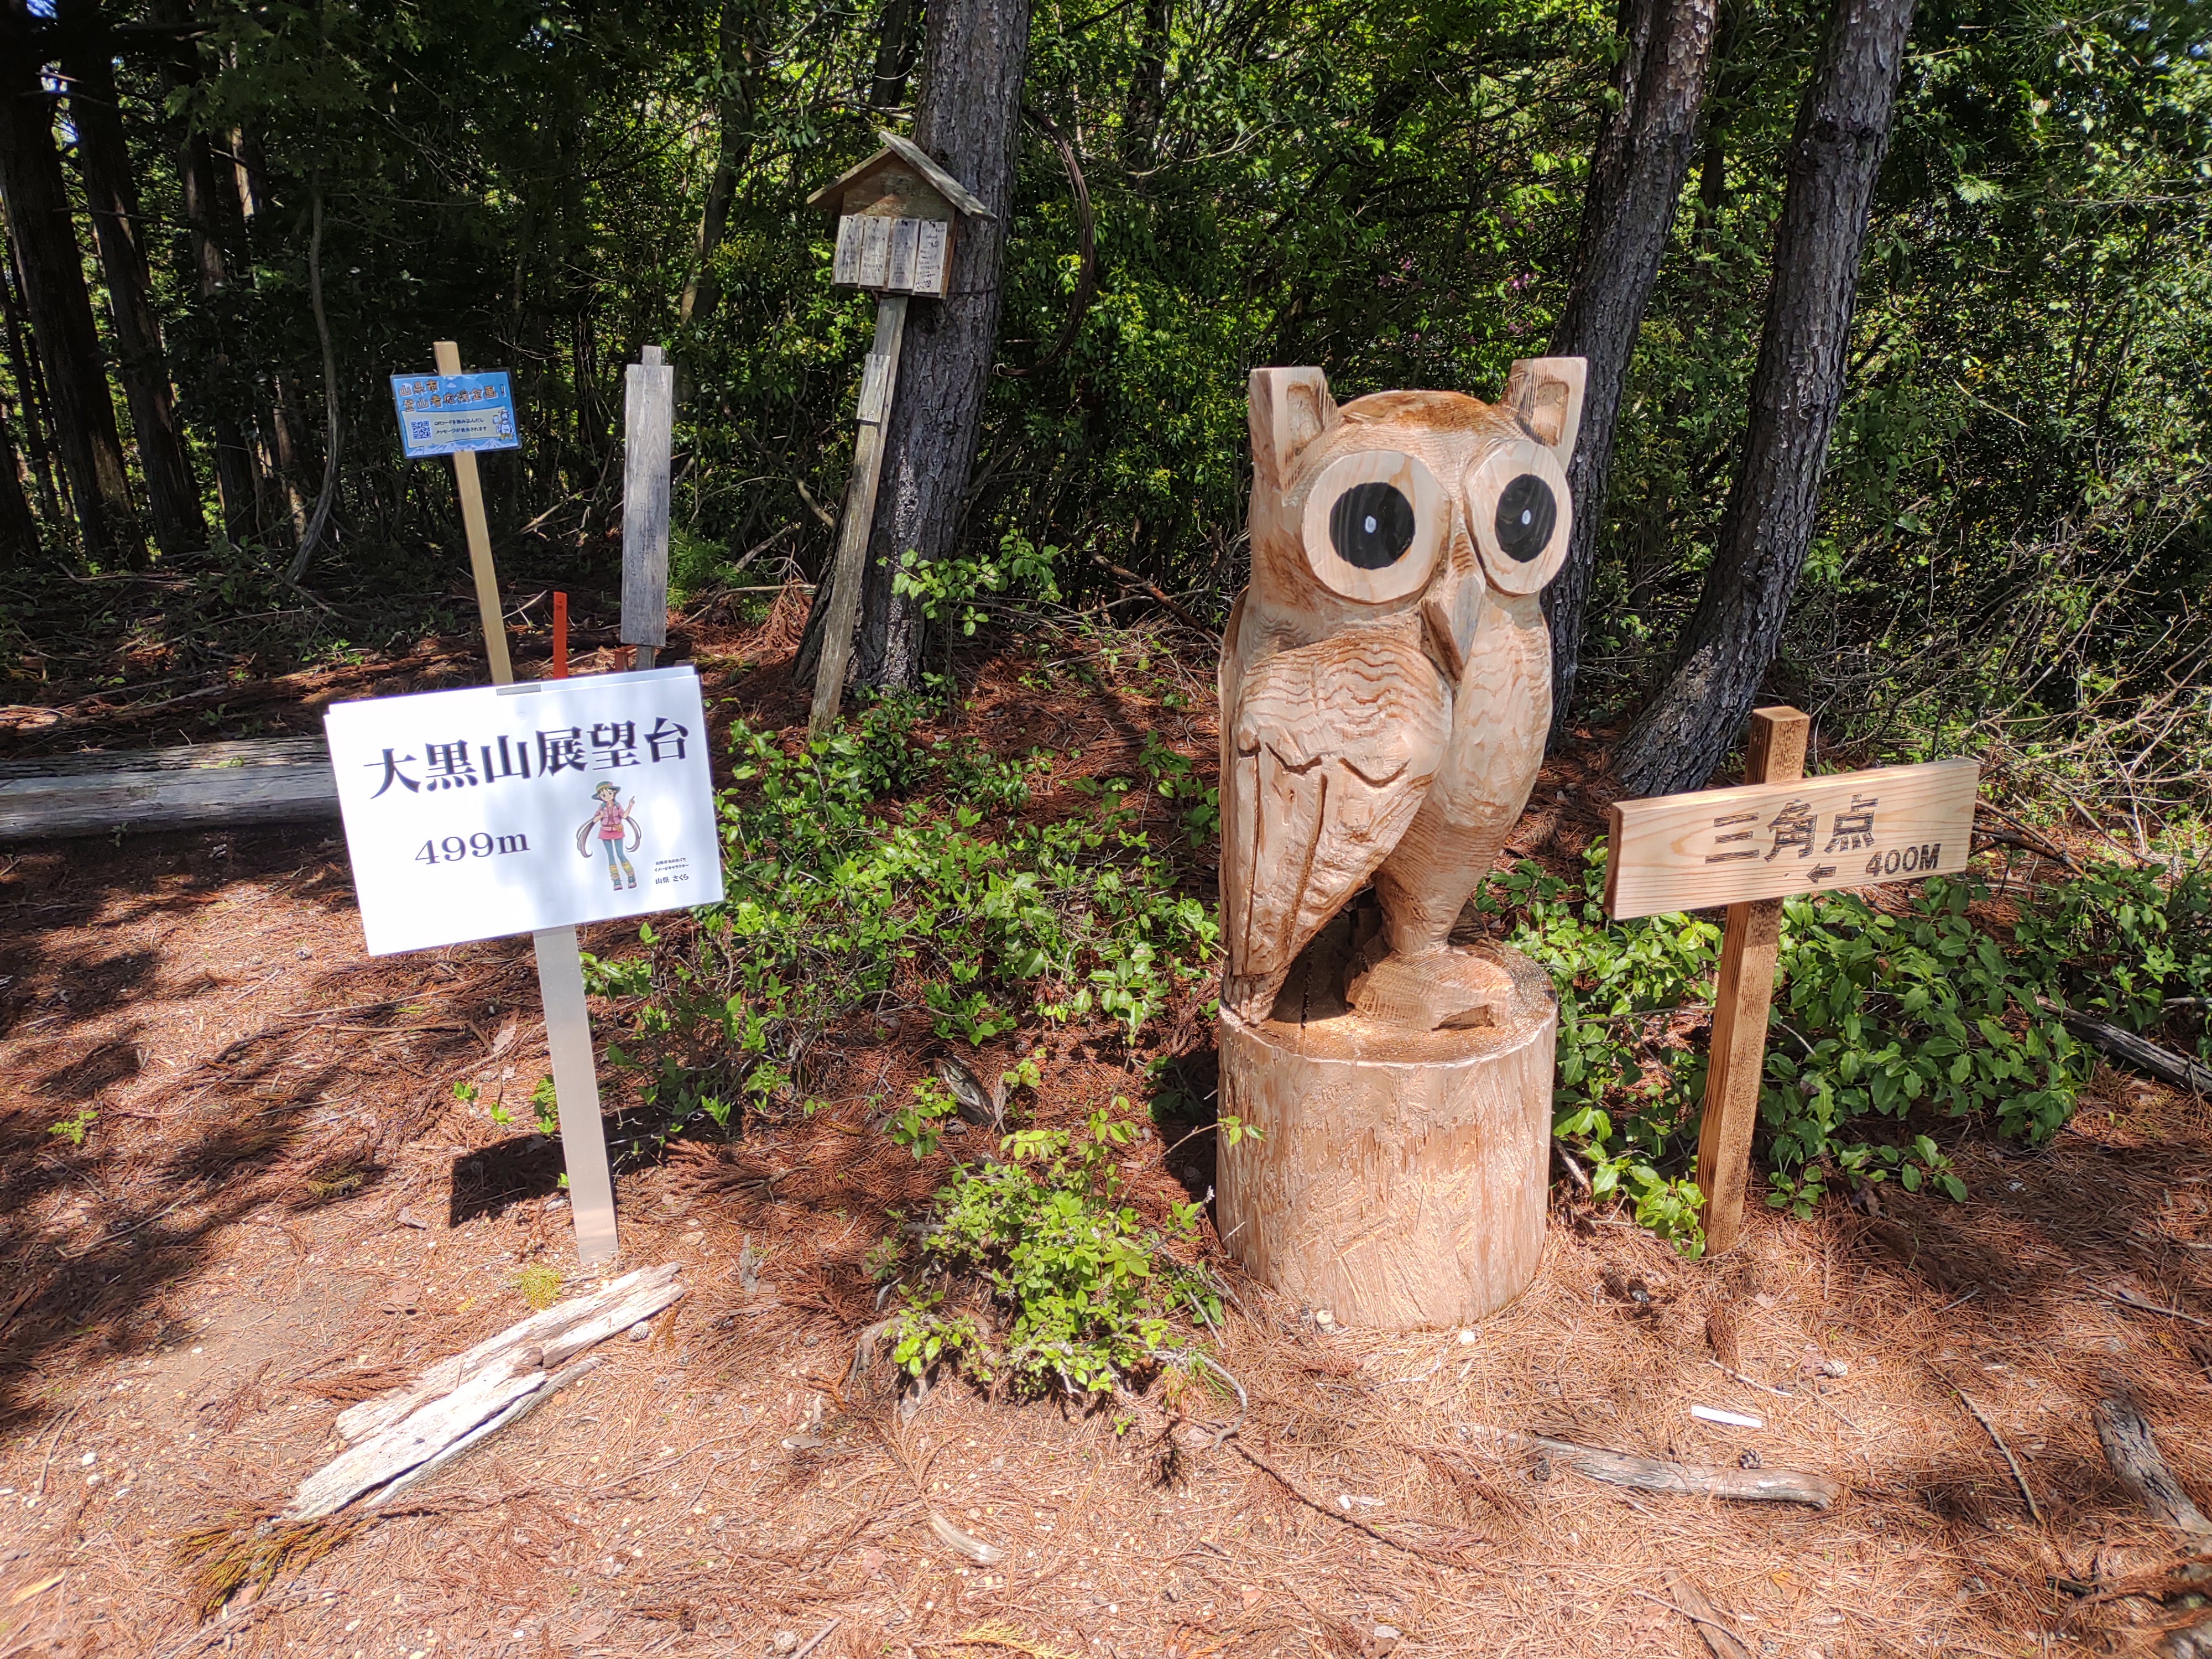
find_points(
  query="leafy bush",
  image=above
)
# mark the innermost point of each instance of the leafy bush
(2121, 943)
(1087, 1293)
(871, 869)
(1881, 1016)
(1881, 1024)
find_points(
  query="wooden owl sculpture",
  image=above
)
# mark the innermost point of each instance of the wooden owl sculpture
(1386, 677)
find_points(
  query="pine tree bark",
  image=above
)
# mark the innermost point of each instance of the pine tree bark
(111, 196)
(1638, 168)
(1835, 158)
(738, 65)
(288, 428)
(19, 531)
(30, 387)
(221, 389)
(894, 55)
(36, 198)
(974, 56)
(1148, 86)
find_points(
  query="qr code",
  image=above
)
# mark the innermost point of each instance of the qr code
(419, 431)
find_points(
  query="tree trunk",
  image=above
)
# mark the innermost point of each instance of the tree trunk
(259, 237)
(1835, 155)
(1637, 171)
(37, 199)
(19, 531)
(968, 117)
(222, 389)
(111, 196)
(738, 68)
(30, 391)
(894, 55)
(1148, 86)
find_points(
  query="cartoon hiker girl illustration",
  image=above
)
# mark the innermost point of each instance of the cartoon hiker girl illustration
(613, 821)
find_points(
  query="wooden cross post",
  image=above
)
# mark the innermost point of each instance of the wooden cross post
(878, 384)
(559, 965)
(1777, 834)
(648, 417)
(1742, 993)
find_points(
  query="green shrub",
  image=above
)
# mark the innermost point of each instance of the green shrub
(1882, 1025)
(871, 867)
(1086, 1293)
(2130, 948)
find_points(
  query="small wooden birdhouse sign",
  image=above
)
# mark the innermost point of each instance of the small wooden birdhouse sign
(895, 214)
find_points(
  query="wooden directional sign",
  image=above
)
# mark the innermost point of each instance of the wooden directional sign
(1750, 848)
(1768, 841)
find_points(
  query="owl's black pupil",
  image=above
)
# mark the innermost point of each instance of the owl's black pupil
(1371, 525)
(1526, 514)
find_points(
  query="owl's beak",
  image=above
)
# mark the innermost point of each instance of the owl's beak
(1452, 610)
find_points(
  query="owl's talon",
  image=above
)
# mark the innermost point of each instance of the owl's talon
(1445, 989)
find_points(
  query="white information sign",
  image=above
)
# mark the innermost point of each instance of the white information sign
(506, 809)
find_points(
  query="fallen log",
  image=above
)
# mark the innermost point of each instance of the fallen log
(401, 1437)
(203, 786)
(1691, 1603)
(2131, 1453)
(2140, 1054)
(1683, 1480)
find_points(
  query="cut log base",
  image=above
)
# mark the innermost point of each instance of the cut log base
(1397, 1177)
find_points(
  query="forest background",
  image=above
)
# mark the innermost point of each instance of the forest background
(2012, 548)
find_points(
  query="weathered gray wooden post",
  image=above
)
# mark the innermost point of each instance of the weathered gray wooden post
(648, 419)
(897, 212)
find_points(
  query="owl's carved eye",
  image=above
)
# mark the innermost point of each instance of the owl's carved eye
(1371, 525)
(1375, 522)
(1517, 507)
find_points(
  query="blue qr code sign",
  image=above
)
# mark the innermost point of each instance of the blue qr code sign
(419, 431)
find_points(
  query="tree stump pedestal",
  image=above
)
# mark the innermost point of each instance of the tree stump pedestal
(1398, 1178)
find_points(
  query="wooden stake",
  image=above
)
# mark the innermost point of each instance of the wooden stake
(878, 386)
(559, 965)
(1742, 998)
(648, 417)
(560, 636)
(488, 609)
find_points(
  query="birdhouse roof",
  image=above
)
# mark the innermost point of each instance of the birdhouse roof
(912, 155)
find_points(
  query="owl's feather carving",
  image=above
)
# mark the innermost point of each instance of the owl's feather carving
(1385, 680)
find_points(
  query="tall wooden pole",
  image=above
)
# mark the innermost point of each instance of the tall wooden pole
(879, 386)
(1745, 990)
(488, 609)
(559, 965)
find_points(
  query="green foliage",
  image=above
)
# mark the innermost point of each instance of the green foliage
(952, 591)
(540, 1285)
(872, 868)
(74, 1127)
(2131, 945)
(1883, 1016)
(1089, 1293)
(1885, 1026)
(545, 1107)
(1625, 1103)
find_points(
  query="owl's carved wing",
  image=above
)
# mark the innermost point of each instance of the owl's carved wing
(1329, 758)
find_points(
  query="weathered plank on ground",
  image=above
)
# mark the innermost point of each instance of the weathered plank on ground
(562, 1330)
(204, 786)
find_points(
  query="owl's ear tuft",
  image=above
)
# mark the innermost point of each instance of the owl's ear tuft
(1546, 396)
(1290, 408)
